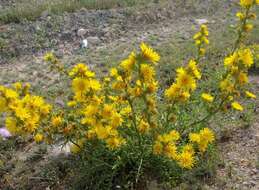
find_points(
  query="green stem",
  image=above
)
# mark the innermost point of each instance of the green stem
(207, 117)
(241, 31)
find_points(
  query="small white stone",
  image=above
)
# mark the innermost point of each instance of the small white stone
(93, 40)
(81, 32)
(84, 43)
(201, 21)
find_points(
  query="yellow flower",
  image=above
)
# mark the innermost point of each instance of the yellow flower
(204, 30)
(38, 138)
(71, 103)
(81, 70)
(116, 120)
(174, 135)
(248, 27)
(203, 145)
(194, 69)
(22, 113)
(11, 125)
(17, 86)
(94, 85)
(143, 126)
(114, 142)
(152, 87)
(202, 51)
(207, 135)
(227, 86)
(240, 15)
(185, 80)
(242, 78)
(188, 148)
(186, 160)
(45, 109)
(231, 60)
(126, 111)
(246, 3)
(184, 96)
(90, 110)
(56, 121)
(31, 125)
(250, 94)
(102, 132)
(10, 94)
(207, 97)
(80, 85)
(172, 91)
(114, 72)
(237, 106)
(147, 72)
(149, 54)
(49, 57)
(108, 111)
(170, 150)
(158, 148)
(246, 57)
(129, 63)
(194, 137)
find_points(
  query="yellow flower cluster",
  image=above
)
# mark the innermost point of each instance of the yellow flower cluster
(245, 16)
(83, 82)
(121, 109)
(24, 112)
(186, 79)
(135, 79)
(233, 84)
(166, 145)
(201, 39)
(99, 113)
(248, 3)
(202, 139)
(207, 97)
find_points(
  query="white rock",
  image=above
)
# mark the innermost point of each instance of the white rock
(81, 32)
(201, 21)
(59, 149)
(93, 40)
(84, 43)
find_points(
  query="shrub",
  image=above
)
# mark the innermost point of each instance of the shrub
(122, 127)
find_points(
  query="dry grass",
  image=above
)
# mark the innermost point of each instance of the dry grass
(32, 9)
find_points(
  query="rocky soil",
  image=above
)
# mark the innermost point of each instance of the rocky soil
(241, 156)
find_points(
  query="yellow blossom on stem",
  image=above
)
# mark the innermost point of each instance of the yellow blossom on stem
(38, 138)
(250, 94)
(237, 106)
(207, 97)
(56, 121)
(185, 80)
(246, 3)
(80, 85)
(149, 54)
(186, 160)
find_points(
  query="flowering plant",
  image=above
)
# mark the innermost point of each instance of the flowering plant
(124, 114)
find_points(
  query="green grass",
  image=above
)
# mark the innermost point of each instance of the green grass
(32, 9)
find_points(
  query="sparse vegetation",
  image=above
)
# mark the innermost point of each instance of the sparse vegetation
(33, 9)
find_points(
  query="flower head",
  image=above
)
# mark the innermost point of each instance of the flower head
(237, 106)
(207, 97)
(149, 54)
